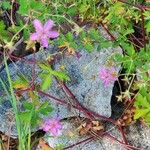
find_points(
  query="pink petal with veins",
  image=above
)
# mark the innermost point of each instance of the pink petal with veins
(34, 36)
(53, 34)
(48, 25)
(37, 25)
(44, 42)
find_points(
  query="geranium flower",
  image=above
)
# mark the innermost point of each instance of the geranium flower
(43, 32)
(108, 75)
(52, 125)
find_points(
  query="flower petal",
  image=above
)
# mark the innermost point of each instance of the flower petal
(37, 25)
(44, 42)
(54, 132)
(34, 36)
(48, 25)
(53, 34)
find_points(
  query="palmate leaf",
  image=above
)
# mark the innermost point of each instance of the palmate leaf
(3, 32)
(89, 47)
(69, 37)
(141, 113)
(71, 11)
(27, 105)
(45, 108)
(6, 5)
(37, 6)
(142, 101)
(25, 117)
(147, 26)
(21, 82)
(129, 48)
(45, 66)
(142, 106)
(24, 7)
(147, 118)
(94, 34)
(83, 8)
(48, 73)
(61, 75)
(127, 31)
(47, 81)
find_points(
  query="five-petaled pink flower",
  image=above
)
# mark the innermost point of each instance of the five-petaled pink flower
(43, 32)
(52, 125)
(108, 75)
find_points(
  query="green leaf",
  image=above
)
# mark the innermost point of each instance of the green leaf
(27, 105)
(141, 113)
(147, 118)
(105, 44)
(142, 101)
(147, 14)
(46, 82)
(89, 47)
(2, 26)
(61, 75)
(6, 5)
(25, 117)
(59, 147)
(129, 48)
(72, 11)
(36, 6)
(45, 66)
(20, 82)
(94, 34)
(82, 35)
(69, 37)
(127, 31)
(45, 108)
(118, 57)
(73, 45)
(3, 32)
(24, 7)
(83, 8)
(147, 26)
(35, 119)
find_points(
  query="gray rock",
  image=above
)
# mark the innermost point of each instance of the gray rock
(85, 84)
(137, 137)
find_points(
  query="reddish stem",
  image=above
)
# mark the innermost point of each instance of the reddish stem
(129, 147)
(87, 111)
(78, 143)
(123, 135)
(94, 114)
(77, 103)
(108, 32)
(62, 102)
(23, 90)
(139, 43)
(16, 58)
(126, 145)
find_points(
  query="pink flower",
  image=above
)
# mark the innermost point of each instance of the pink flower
(108, 75)
(52, 125)
(43, 32)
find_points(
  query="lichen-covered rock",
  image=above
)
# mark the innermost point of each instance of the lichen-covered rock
(85, 84)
